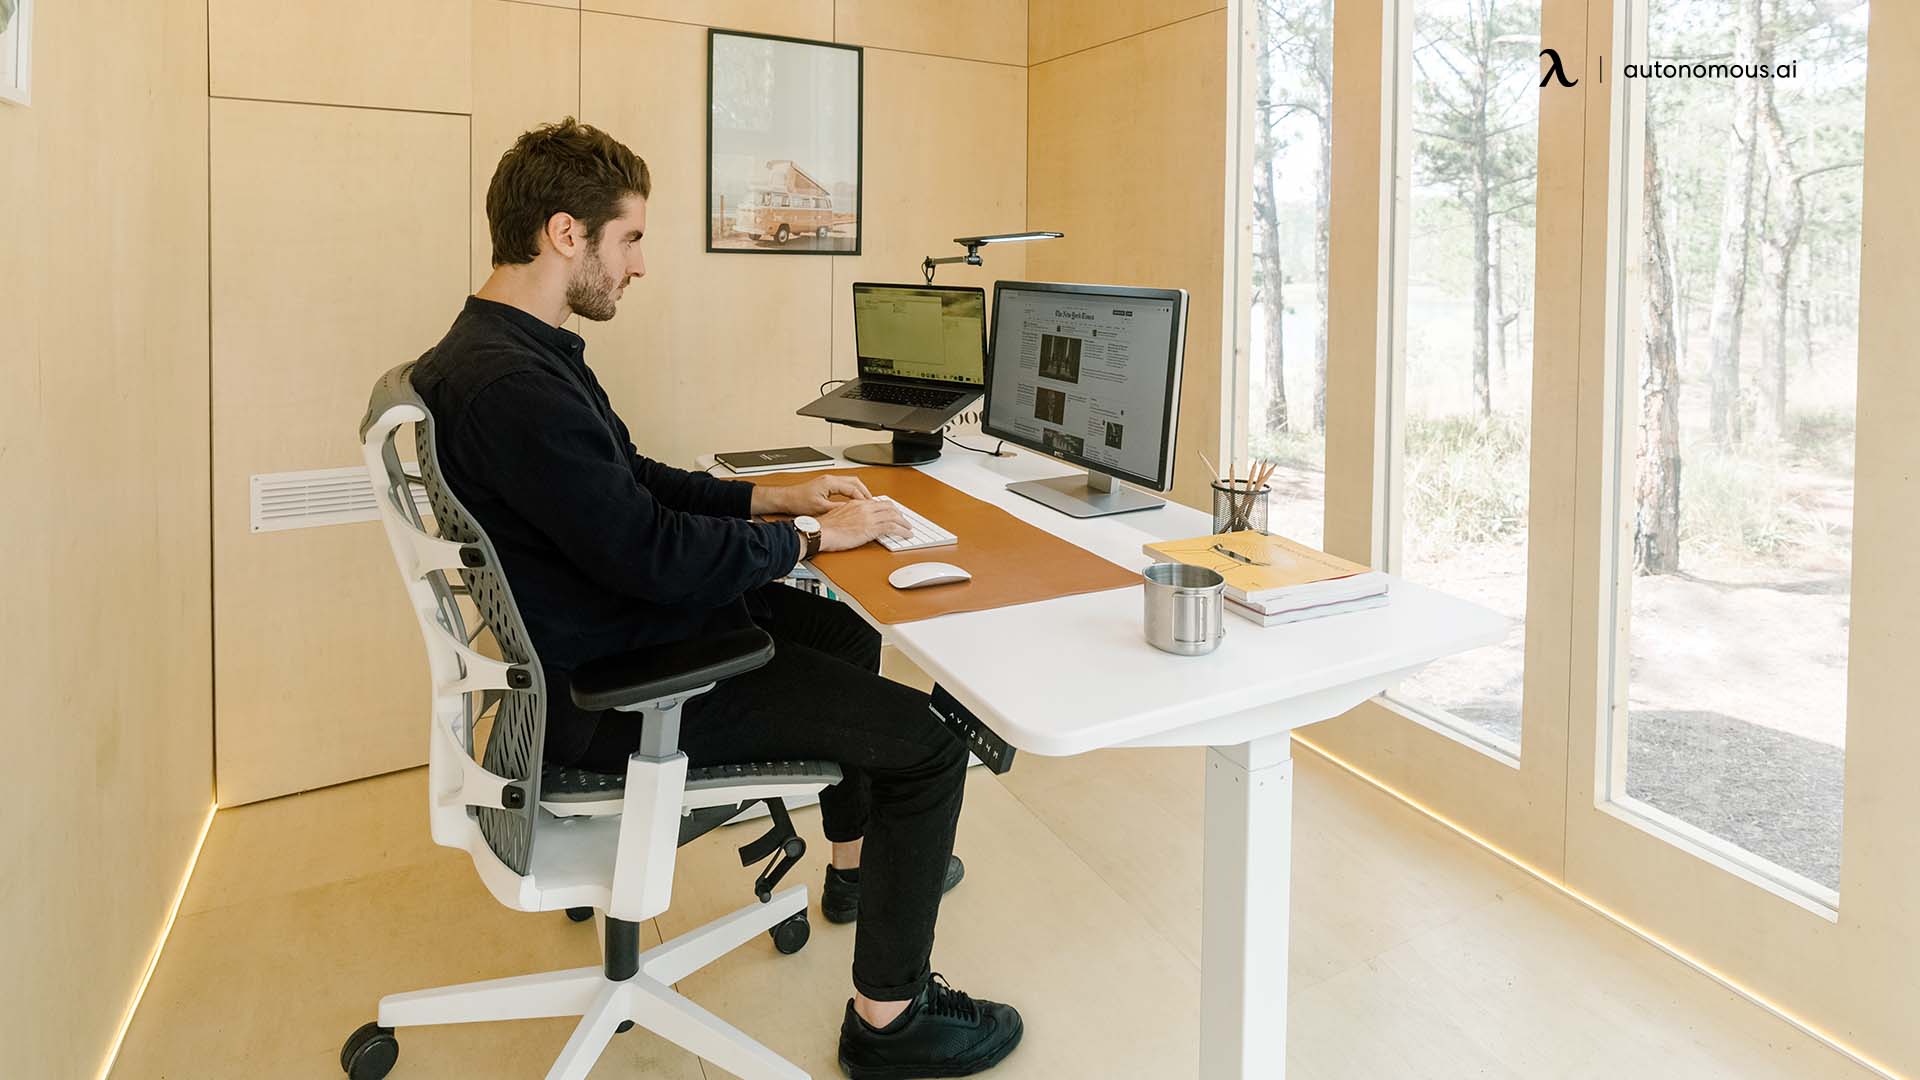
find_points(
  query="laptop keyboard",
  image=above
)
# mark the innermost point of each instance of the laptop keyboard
(910, 396)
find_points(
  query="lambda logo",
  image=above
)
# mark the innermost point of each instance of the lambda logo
(1556, 71)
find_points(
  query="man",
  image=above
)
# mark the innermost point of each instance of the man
(608, 551)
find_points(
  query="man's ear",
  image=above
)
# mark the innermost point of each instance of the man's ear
(565, 234)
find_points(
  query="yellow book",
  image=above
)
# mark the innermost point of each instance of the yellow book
(1266, 569)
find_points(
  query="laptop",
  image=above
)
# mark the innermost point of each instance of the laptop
(922, 352)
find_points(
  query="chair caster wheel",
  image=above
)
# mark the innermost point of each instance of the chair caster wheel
(369, 1053)
(625, 1026)
(580, 914)
(790, 935)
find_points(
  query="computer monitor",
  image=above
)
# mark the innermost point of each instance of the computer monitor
(1089, 374)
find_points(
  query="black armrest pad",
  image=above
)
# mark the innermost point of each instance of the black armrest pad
(658, 671)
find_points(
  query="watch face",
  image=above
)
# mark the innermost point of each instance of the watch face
(806, 524)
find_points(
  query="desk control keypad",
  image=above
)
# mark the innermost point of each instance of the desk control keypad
(990, 748)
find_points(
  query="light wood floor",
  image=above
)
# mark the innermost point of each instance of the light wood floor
(1415, 954)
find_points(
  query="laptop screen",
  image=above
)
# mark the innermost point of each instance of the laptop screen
(921, 332)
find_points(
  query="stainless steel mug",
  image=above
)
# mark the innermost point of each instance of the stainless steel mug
(1185, 608)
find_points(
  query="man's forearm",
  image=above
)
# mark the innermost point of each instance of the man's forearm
(768, 499)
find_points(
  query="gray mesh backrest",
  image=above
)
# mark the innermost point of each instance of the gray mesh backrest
(513, 747)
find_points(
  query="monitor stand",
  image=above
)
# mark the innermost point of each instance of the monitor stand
(907, 448)
(1092, 495)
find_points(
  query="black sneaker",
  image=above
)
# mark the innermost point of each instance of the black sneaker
(840, 898)
(942, 1033)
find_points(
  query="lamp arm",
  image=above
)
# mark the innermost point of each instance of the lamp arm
(971, 258)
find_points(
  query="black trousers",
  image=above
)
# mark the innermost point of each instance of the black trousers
(821, 697)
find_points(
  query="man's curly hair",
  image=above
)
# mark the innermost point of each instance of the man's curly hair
(567, 167)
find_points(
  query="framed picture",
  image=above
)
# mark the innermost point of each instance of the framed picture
(16, 51)
(783, 145)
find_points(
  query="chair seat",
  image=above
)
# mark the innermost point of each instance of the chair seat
(573, 792)
(786, 772)
(564, 786)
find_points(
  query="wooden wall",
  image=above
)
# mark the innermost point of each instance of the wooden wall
(104, 620)
(351, 148)
(1127, 148)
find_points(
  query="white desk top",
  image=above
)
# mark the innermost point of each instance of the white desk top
(1074, 674)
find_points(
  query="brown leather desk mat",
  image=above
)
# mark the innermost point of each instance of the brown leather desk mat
(1011, 561)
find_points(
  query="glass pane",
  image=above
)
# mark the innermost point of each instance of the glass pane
(1293, 155)
(1737, 468)
(1467, 408)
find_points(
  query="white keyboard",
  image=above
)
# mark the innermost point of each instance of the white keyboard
(925, 533)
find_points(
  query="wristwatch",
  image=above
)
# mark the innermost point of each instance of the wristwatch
(809, 530)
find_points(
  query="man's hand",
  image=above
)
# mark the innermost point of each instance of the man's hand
(851, 524)
(817, 496)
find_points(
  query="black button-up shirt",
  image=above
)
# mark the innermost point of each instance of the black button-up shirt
(606, 550)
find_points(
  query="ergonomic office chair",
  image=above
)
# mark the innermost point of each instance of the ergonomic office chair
(550, 839)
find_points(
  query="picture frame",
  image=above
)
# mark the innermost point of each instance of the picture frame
(784, 144)
(16, 51)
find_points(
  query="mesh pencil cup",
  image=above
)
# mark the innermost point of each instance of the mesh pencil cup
(1237, 507)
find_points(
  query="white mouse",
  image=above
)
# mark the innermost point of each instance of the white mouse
(915, 575)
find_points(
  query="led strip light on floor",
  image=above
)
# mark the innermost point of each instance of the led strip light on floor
(153, 962)
(1844, 1049)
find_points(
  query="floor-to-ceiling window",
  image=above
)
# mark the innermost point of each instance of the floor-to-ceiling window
(1617, 290)
(1459, 482)
(1735, 466)
(1292, 183)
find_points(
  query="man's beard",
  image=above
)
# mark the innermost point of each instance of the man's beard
(593, 293)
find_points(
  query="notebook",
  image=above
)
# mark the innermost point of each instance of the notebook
(759, 461)
(1318, 611)
(1273, 574)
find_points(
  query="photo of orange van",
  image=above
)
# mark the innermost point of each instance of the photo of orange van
(783, 145)
(785, 204)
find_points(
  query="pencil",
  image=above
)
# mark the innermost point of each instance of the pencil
(1254, 485)
(1232, 502)
(1242, 504)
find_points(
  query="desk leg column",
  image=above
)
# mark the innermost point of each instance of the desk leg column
(1245, 909)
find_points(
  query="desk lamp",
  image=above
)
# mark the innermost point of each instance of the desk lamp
(973, 245)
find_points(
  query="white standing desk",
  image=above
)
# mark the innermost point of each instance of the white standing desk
(1074, 674)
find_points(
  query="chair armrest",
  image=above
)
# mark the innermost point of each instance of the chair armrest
(661, 671)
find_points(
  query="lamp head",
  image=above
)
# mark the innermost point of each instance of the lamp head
(1005, 238)
(973, 244)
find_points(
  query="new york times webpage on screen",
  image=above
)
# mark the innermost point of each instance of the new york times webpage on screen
(1085, 375)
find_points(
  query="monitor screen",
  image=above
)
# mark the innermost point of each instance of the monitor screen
(1089, 374)
(921, 332)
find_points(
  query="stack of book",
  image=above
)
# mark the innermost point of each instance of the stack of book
(1272, 580)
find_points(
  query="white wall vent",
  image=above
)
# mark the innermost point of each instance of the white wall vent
(298, 500)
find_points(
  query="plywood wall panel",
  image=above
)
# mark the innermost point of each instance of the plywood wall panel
(386, 54)
(1126, 148)
(326, 272)
(377, 225)
(921, 193)
(104, 617)
(991, 30)
(788, 18)
(709, 351)
(526, 62)
(1058, 27)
